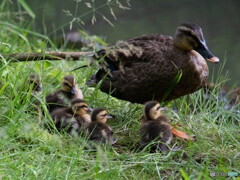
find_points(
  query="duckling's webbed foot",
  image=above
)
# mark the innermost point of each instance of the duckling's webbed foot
(163, 148)
(177, 149)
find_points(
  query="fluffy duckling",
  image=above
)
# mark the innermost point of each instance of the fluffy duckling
(98, 130)
(34, 80)
(155, 127)
(235, 96)
(74, 118)
(62, 97)
(34, 85)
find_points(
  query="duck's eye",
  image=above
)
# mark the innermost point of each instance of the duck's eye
(158, 108)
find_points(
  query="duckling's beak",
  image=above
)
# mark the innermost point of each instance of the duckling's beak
(89, 109)
(181, 134)
(109, 117)
(206, 53)
(73, 90)
(39, 88)
(163, 108)
(114, 141)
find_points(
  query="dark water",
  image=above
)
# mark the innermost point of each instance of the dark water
(219, 19)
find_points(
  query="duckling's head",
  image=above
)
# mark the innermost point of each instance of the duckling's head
(100, 115)
(152, 110)
(189, 36)
(79, 106)
(35, 81)
(69, 84)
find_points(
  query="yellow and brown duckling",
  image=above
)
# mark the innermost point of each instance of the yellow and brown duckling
(147, 67)
(155, 127)
(62, 97)
(73, 119)
(98, 129)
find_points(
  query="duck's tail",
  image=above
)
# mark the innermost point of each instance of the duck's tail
(81, 67)
(89, 54)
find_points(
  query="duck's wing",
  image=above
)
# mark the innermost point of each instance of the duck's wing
(140, 49)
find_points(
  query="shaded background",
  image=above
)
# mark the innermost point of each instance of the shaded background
(219, 20)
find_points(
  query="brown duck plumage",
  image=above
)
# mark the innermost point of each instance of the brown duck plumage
(144, 68)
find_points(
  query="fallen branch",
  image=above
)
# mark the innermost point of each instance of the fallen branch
(53, 56)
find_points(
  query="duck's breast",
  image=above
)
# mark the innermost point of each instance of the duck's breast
(194, 73)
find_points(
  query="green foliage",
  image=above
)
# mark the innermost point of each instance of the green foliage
(27, 8)
(28, 150)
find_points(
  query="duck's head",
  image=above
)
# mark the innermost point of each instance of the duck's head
(100, 115)
(35, 81)
(189, 36)
(152, 110)
(69, 84)
(80, 107)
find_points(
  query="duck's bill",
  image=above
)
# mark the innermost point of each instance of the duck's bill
(213, 59)
(206, 53)
(39, 88)
(182, 135)
(114, 141)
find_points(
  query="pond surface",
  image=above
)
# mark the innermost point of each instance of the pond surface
(219, 19)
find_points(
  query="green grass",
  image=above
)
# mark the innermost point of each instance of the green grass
(29, 151)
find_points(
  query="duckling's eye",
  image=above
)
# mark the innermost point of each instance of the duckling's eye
(158, 108)
(80, 107)
(66, 84)
(104, 115)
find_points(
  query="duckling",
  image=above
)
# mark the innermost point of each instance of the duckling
(155, 127)
(35, 81)
(156, 67)
(75, 118)
(235, 96)
(34, 85)
(62, 97)
(98, 130)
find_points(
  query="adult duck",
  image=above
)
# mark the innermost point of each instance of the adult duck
(155, 67)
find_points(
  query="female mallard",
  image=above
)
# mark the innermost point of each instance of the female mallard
(147, 67)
